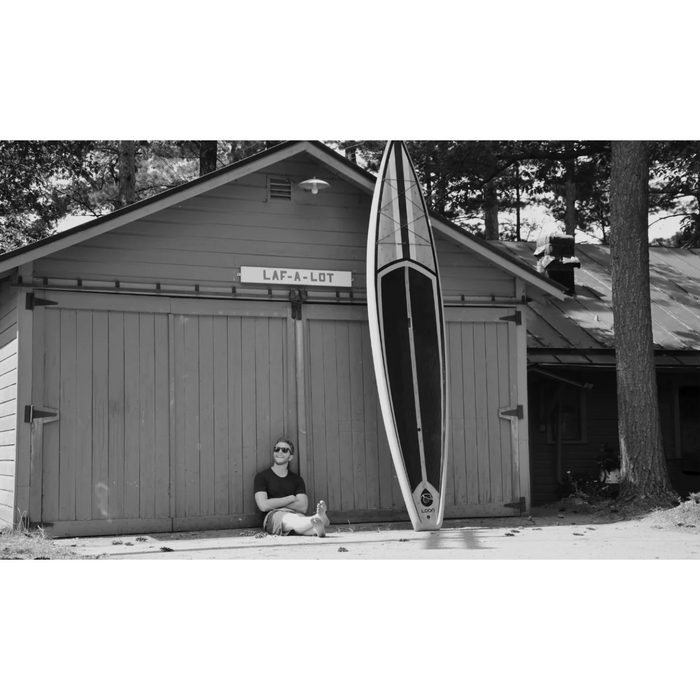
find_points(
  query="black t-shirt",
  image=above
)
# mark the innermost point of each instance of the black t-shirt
(277, 486)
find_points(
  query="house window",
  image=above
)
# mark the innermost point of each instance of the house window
(689, 422)
(570, 400)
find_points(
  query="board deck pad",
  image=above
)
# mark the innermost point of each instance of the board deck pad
(407, 332)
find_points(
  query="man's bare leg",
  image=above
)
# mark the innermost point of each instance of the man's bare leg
(321, 512)
(304, 525)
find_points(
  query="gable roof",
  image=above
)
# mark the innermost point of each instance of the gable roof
(579, 330)
(540, 284)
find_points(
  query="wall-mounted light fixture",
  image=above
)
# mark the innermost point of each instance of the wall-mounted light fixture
(313, 185)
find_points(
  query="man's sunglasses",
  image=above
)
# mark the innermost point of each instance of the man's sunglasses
(282, 449)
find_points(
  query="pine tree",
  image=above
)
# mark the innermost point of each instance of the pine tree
(643, 464)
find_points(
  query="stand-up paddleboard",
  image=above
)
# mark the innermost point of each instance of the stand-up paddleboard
(407, 333)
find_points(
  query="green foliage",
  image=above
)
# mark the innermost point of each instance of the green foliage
(674, 189)
(43, 181)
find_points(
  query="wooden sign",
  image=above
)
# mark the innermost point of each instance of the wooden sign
(287, 276)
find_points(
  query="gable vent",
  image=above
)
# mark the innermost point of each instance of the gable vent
(280, 188)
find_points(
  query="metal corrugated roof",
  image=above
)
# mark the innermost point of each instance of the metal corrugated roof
(579, 330)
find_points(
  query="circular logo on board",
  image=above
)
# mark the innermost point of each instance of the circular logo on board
(426, 498)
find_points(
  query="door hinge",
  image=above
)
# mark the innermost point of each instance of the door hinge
(516, 412)
(517, 318)
(519, 504)
(31, 414)
(33, 300)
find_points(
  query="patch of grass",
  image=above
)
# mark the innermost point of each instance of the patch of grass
(25, 542)
(686, 514)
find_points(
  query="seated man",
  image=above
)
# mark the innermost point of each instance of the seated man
(282, 495)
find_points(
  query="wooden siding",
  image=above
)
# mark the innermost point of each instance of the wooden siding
(351, 466)
(600, 427)
(8, 403)
(576, 457)
(482, 474)
(106, 373)
(206, 239)
(231, 402)
(168, 407)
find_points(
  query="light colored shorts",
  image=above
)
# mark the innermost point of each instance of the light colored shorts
(273, 521)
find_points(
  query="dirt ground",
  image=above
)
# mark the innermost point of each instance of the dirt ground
(547, 533)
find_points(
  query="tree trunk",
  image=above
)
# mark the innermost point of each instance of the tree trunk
(643, 464)
(490, 211)
(570, 217)
(207, 157)
(127, 174)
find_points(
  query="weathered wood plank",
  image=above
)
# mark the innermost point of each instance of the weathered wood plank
(191, 408)
(507, 397)
(263, 438)
(206, 416)
(357, 420)
(100, 415)
(8, 336)
(236, 417)
(8, 437)
(9, 407)
(372, 426)
(7, 483)
(92, 528)
(8, 373)
(221, 415)
(252, 461)
(8, 394)
(471, 403)
(344, 400)
(330, 378)
(84, 436)
(482, 422)
(493, 404)
(316, 397)
(456, 482)
(132, 418)
(52, 379)
(8, 349)
(163, 418)
(115, 412)
(7, 467)
(7, 499)
(146, 414)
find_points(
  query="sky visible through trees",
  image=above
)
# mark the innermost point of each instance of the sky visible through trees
(512, 190)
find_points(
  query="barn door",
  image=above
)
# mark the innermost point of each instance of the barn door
(233, 396)
(483, 473)
(99, 428)
(349, 464)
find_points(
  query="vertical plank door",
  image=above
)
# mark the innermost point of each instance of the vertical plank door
(103, 366)
(482, 462)
(232, 400)
(349, 465)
